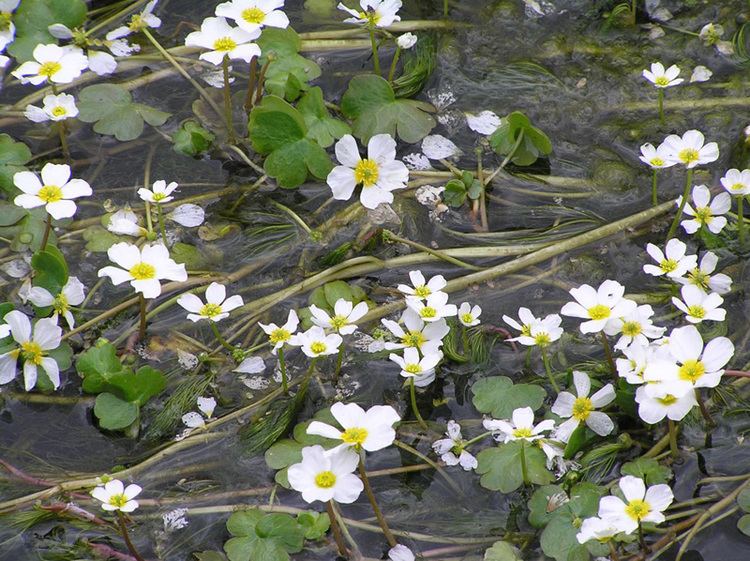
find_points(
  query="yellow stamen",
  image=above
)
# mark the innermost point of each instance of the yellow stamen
(582, 408)
(688, 155)
(428, 312)
(637, 509)
(59, 111)
(600, 311)
(143, 271)
(49, 69)
(253, 15)
(413, 339)
(697, 311)
(50, 194)
(354, 435)
(318, 347)
(523, 432)
(366, 173)
(225, 44)
(337, 322)
(631, 328)
(32, 352)
(691, 370)
(668, 265)
(118, 501)
(210, 310)
(279, 335)
(412, 368)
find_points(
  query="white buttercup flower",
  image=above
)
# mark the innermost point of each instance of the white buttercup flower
(143, 268)
(217, 306)
(371, 430)
(54, 108)
(138, 22)
(527, 319)
(640, 505)
(55, 191)
(706, 213)
(32, 348)
(279, 336)
(420, 287)
(380, 13)
(406, 41)
(421, 370)
(223, 40)
(426, 337)
(125, 223)
(451, 450)
(59, 65)
(703, 277)
(379, 174)
(435, 307)
(636, 328)
(673, 262)
(690, 150)
(636, 360)
(737, 182)
(7, 28)
(251, 15)
(345, 314)
(662, 78)
(653, 409)
(159, 193)
(656, 158)
(582, 408)
(595, 528)
(699, 306)
(314, 342)
(520, 427)
(468, 315)
(598, 306)
(325, 476)
(72, 294)
(114, 496)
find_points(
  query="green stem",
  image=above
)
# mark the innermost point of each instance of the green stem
(61, 130)
(654, 184)
(477, 438)
(445, 8)
(704, 410)
(642, 540)
(47, 230)
(228, 100)
(251, 84)
(374, 45)
(548, 369)
(507, 159)
(142, 324)
(149, 220)
(685, 195)
(393, 64)
(673, 438)
(524, 471)
(374, 503)
(661, 105)
(339, 362)
(415, 409)
(633, 11)
(335, 530)
(608, 355)
(282, 367)
(126, 536)
(219, 337)
(613, 551)
(162, 227)
(741, 219)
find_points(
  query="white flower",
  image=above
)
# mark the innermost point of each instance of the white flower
(380, 13)
(115, 496)
(370, 430)
(451, 449)
(217, 306)
(527, 320)
(706, 212)
(251, 15)
(412, 367)
(325, 476)
(125, 223)
(206, 405)
(468, 315)
(656, 157)
(137, 23)
(8, 31)
(434, 309)
(653, 409)
(428, 338)
(54, 191)
(278, 336)
(541, 332)
(32, 349)
(159, 193)
(700, 74)
(60, 65)
(582, 408)
(598, 306)
(643, 505)
(55, 108)
(314, 342)
(406, 41)
(400, 553)
(484, 123)
(223, 40)
(520, 427)
(143, 268)
(711, 33)
(661, 78)
(344, 316)
(636, 328)
(379, 174)
(702, 278)
(699, 306)
(595, 528)
(637, 358)
(71, 295)
(421, 288)
(737, 182)
(689, 150)
(674, 264)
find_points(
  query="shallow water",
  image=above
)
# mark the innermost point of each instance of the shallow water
(583, 90)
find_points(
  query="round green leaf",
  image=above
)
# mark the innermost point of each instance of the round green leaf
(498, 396)
(114, 413)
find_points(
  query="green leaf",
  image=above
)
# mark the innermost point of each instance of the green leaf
(576, 442)
(97, 364)
(189, 255)
(279, 130)
(371, 104)
(648, 469)
(501, 467)
(288, 72)
(337, 290)
(99, 240)
(192, 139)
(139, 387)
(13, 156)
(559, 541)
(113, 111)
(455, 193)
(743, 499)
(114, 413)
(501, 551)
(10, 214)
(743, 524)
(284, 453)
(27, 234)
(314, 524)
(33, 17)
(532, 145)
(498, 396)
(321, 127)
(544, 503)
(50, 268)
(262, 537)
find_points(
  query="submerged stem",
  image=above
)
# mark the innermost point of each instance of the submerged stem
(548, 369)
(683, 202)
(126, 536)
(654, 185)
(339, 362)
(741, 219)
(47, 230)
(673, 438)
(524, 471)
(661, 104)
(335, 530)
(142, 324)
(219, 337)
(251, 84)
(228, 100)
(282, 368)
(62, 131)
(396, 56)
(608, 355)
(162, 227)
(374, 503)
(414, 407)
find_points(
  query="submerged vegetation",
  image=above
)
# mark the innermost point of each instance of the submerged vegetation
(406, 285)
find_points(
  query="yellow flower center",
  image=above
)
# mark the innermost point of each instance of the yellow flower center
(118, 501)
(5, 20)
(371, 16)
(688, 155)
(542, 339)
(137, 23)
(738, 187)
(318, 347)
(159, 196)
(703, 215)
(354, 435)
(279, 335)
(412, 368)
(526, 330)
(422, 291)
(667, 399)
(59, 111)
(657, 162)
(582, 408)
(661, 81)
(50, 194)
(691, 371)
(696, 311)
(253, 15)
(637, 509)
(49, 69)
(523, 432)
(467, 318)
(143, 271)
(225, 44)
(337, 322)
(699, 278)
(366, 173)
(60, 305)
(428, 312)
(413, 339)
(32, 352)
(210, 310)
(668, 265)
(600, 311)
(631, 328)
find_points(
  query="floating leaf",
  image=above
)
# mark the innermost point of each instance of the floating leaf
(114, 413)
(112, 108)
(263, 537)
(321, 127)
(289, 72)
(192, 139)
(371, 104)
(501, 551)
(648, 469)
(13, 157)
(140, 386)
(33, 18)
(531, 142)
(743, 500)
(96, 364)
(498, 396)
(99, 240)
(501, 467)
(50, 268)
(314, 524)
(743, 524)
